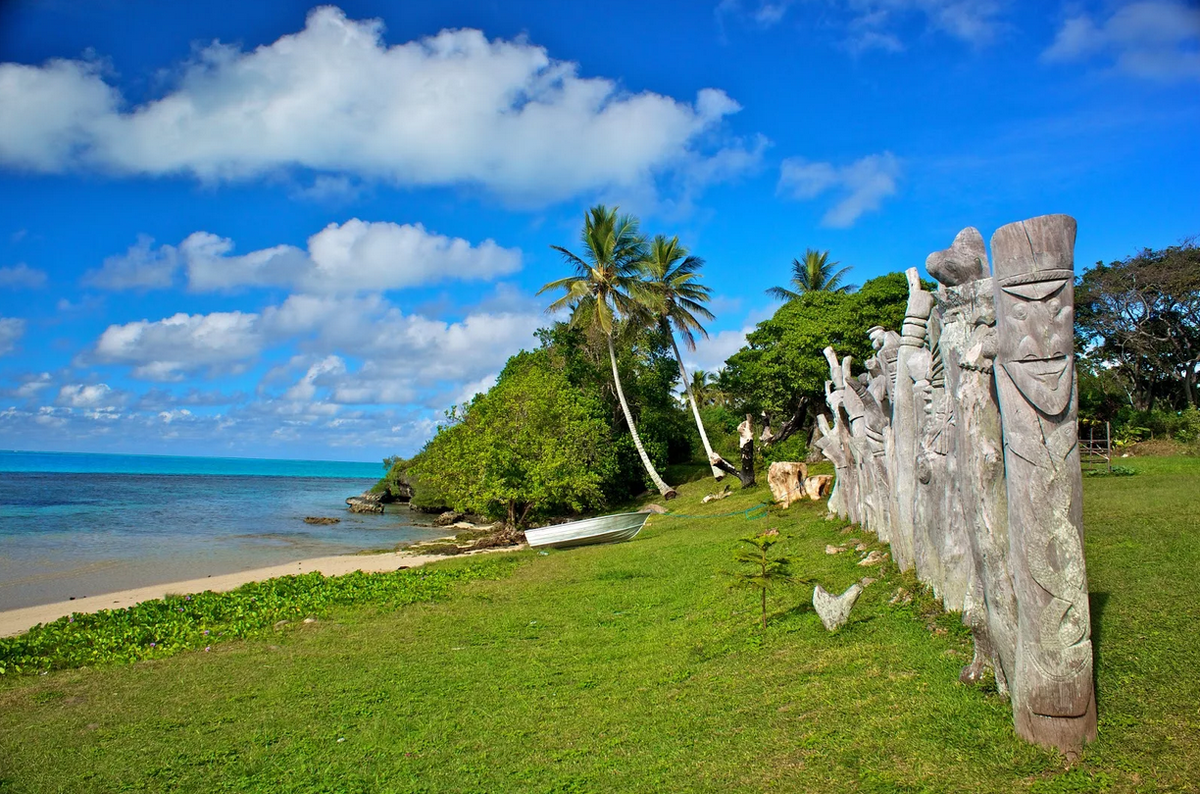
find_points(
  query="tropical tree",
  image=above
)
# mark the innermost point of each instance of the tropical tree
(532, 444)
(814, 274)
(608, 285)
(781, 370)
(678, 300)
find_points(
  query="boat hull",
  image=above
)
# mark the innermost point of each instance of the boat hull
(602, 529)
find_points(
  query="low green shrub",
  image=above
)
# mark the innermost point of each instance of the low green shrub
(164, 627)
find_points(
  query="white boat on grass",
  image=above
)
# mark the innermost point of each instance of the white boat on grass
(601, 529)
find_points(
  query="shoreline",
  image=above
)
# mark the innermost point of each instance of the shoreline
(18, 621)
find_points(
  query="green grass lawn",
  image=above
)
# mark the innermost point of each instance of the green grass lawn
(633, 668)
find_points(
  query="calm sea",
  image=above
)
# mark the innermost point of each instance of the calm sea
(76, 524)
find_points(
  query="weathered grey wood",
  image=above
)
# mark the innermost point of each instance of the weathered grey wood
(968, 343)
(1053, 699)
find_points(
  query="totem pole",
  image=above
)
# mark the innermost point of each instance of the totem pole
(968, 342)
(1051, 683)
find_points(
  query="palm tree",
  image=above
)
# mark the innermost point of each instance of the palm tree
(702, 384)
(814, 274)
(607, 285)
(674, 279)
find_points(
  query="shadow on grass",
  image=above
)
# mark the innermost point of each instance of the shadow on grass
(1096, 604)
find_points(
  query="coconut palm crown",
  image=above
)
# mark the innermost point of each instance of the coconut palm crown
(813, 274)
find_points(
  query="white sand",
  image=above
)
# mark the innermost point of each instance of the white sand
(16, 621)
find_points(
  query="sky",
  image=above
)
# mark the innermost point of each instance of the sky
(285, 230)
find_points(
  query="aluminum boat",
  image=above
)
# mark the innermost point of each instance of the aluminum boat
(601, 529)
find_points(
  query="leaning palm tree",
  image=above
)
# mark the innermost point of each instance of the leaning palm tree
(674, 280)
(814, 274)
(608, 285)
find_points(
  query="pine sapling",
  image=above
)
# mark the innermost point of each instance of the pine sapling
(762, 570)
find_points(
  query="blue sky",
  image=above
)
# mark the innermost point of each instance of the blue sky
(284, 230)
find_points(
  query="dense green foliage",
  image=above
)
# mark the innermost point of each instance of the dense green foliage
(533, 444)
(163, 627)
(633, 668)
(782, 370)
(1137, 324)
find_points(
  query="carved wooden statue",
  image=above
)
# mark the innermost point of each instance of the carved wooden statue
(959, 447)
(1052, 695)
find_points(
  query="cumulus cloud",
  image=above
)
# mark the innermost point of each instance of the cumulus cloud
(711, 354)
(334, 98)
(11, 331)
(32, 385)
(94, 396)
(397, 349)
(355, 256)
(22, 276)
(861, 186)
(1153, 39)
(141, 267)
(166, 349)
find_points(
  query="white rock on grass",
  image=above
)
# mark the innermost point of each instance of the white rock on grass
(834, 611)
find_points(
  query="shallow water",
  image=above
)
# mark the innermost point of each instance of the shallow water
(77, 533)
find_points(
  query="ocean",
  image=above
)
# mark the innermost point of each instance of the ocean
(76, 524)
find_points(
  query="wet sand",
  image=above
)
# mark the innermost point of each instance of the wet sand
(16, 621)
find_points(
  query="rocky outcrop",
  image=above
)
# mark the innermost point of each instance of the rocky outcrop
(321, 520)
(366, 502)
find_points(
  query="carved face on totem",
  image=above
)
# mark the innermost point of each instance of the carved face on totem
(1035, 311)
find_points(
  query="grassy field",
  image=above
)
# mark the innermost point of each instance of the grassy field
(634, 668)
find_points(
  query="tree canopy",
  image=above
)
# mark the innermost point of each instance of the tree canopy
(530, 445)
(1137, 322)
(782, 371)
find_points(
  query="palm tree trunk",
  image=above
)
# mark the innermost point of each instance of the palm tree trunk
(667, 491)
(708, 450)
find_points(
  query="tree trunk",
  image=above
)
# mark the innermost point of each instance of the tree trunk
(746, 475)
(667, 491)
(717, 473)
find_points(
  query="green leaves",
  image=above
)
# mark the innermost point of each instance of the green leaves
(761, 572)
(167, 626)
(532, 444)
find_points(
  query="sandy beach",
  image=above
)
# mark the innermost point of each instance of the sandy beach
(16, 621)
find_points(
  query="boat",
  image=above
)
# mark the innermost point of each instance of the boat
(601, 529)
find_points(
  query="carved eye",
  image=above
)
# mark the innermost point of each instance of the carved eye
(1019, 312)
(1055, 307)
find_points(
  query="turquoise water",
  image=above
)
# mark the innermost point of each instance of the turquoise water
(85, 463)
(74, 525)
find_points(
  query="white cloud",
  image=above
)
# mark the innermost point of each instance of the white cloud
(1152, 39)
(862, 185)
(711, 353)
(11, 331)
(871, 24)
(22, 276)
(32, 385)
(141, 267)
(164, 350)
(454, 108)
(327, 368)
(356, 256)
(397, 351)
(94, 396)
(479, 386)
